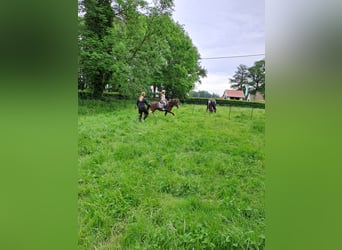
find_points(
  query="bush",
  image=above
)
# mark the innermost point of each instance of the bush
(201, 101)
(224, 102)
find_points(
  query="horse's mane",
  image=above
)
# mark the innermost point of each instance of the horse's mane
(174, 100)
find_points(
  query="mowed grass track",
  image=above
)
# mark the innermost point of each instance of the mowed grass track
(195, 180)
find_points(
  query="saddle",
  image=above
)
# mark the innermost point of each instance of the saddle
(161, 105)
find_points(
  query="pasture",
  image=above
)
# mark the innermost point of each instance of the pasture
(195, 180)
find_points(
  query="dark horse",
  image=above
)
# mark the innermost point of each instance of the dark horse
(211, 105)
(170, 104)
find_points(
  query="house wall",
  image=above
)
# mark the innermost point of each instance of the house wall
(234, 98)
(255, 98)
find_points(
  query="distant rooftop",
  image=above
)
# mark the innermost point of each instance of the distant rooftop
(234, 93)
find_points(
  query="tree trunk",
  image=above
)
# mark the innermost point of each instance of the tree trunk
(98, 91)
(98, 87)
(99, 84)
(154, 90)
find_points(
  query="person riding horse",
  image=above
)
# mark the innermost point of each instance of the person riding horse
(170, 104)
(163, 100)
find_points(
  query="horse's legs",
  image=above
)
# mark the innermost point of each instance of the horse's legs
(168, 112)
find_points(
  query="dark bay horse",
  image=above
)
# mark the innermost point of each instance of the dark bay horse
(170, 104)
(211, 105)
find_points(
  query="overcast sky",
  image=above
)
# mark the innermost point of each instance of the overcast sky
(220, 28)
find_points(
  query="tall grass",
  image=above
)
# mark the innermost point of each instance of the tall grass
(190, 181)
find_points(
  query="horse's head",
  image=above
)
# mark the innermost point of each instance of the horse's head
(176, 102)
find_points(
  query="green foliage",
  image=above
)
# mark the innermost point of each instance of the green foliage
(252, 77)
(190, 181)
(202, 94)
(257, 76)
(96, 43)
(133, 45)
(182, 69)
(240, 78)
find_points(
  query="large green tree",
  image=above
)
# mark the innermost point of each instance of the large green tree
(240, 78)
(145, 51)
(131, 45)
(182, 69)
(252, 77)
(134, 49)
(96, 44)
(257, 77)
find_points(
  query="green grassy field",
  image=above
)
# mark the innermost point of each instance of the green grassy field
(195, 180)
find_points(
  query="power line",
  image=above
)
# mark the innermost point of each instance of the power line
(224, 57)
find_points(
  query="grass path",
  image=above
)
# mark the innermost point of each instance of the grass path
(190, 181)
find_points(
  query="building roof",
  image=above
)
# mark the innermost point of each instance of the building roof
(234, 93)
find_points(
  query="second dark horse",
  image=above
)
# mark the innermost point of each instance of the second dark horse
(211, 105)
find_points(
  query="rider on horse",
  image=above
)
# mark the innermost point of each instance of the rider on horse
(163, 100)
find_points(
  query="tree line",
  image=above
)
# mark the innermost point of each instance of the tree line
(129, 46)
(202, 94)
(252, 78)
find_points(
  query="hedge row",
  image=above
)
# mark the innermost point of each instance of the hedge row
(109, 95)
(224, 102)
(199, 101)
